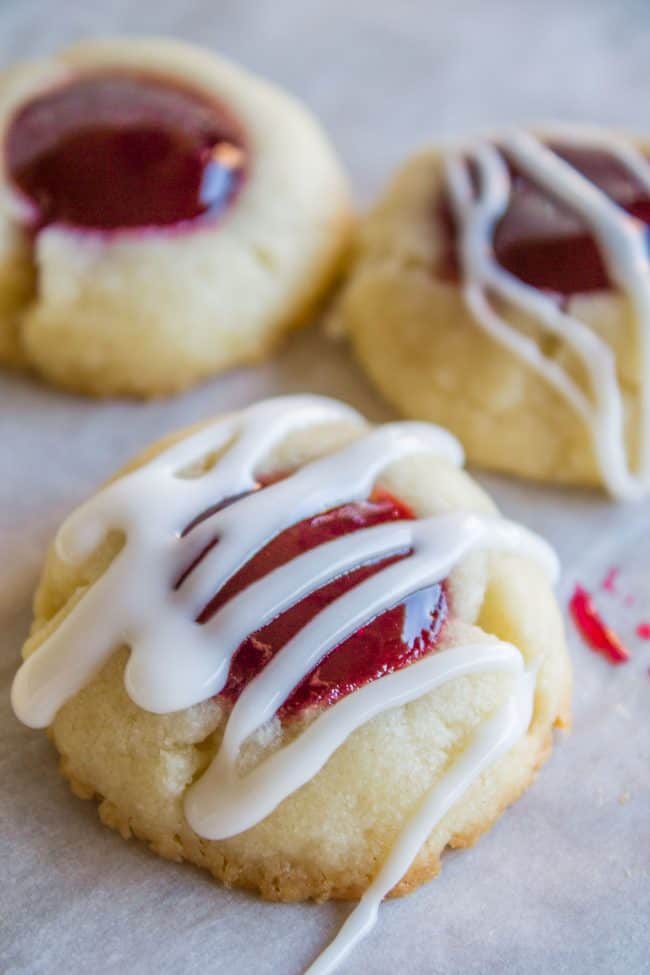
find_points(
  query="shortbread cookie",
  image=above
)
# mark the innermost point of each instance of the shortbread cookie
(301, 652)
(502, 289)
(163, 215)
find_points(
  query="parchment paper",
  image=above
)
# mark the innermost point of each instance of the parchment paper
(562, 883)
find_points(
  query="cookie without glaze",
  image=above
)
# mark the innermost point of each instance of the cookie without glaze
(329, 836)
(230, 218)
(414, 309)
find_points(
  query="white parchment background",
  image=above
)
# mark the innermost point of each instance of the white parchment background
(562, 883)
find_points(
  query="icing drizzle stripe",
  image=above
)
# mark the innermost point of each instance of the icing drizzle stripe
(488, 744)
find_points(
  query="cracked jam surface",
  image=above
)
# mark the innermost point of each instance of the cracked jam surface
(543, 243)
(115, 150)
(391, 641)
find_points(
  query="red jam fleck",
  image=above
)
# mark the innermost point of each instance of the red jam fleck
(610, 580)
(541, 241)
(391, 641)
(116, 150)
(593, 628)
(643, 631)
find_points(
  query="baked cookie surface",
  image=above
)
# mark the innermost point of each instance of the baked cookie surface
(501, 289)
(164, 215)
(303, 653)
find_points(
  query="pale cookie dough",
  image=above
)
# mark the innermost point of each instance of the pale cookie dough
(150, 311)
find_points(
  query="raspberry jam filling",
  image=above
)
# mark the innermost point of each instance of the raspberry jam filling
(116, 150)
(543, 243)
(391, 641)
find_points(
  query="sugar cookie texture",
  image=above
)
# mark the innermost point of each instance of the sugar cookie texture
(150, 310)
(179, 778)
(501, 288)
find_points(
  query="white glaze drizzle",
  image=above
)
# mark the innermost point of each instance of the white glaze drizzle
(622, 240)
(492, 740)
(175, 662)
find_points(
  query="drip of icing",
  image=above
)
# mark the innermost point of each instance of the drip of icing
(176, 660)
(488, 744)
(118, 150)
(479, 200)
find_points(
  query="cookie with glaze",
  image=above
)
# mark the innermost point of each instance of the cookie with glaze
(411, 328)
(326, 839)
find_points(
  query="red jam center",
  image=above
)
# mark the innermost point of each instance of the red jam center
(387, 643)
(546, 245)
(111, 151)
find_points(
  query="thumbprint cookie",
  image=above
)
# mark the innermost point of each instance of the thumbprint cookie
(305, 653)
(502, 288)
(164, 215)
